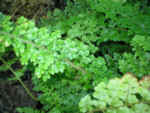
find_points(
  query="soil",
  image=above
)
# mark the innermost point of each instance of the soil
(31, 9)
(13, 96)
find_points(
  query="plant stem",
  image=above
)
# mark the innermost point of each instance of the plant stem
(21, 82)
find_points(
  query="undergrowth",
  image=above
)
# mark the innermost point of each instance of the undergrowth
(73, 50)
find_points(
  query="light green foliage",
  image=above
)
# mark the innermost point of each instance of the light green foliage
(118, 96)
(6, 26)
(47, 52)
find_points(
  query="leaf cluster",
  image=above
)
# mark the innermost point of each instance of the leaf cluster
(125, 95)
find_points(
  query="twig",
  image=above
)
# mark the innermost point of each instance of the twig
(21, 82)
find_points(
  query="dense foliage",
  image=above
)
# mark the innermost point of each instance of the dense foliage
(73, 50)
(124, 95)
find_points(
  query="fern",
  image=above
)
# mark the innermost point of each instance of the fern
(119, 95)
(73, 50)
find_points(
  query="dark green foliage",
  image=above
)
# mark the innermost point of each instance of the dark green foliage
(28, 110)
